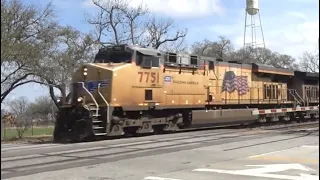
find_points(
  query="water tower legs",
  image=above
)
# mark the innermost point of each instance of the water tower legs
(251, 43)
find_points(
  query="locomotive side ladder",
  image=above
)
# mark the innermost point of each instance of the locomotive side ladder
(299, 97)
(296, 97)
(97, 127)
(94, 100)
(307, 99)
(103, 128)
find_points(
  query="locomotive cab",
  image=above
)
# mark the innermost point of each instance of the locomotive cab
(114, 54)
(143, 57)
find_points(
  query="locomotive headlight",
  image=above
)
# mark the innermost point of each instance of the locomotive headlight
(85, 71)
(80, 99)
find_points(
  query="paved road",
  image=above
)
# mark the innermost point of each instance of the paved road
(201, 155)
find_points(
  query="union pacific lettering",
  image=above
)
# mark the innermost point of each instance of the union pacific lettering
(185, 82)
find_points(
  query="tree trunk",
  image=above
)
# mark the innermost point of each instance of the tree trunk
(62, 88)
(53, 97)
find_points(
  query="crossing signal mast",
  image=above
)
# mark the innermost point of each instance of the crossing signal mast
(253, 23)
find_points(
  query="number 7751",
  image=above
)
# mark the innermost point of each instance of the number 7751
(148, 77)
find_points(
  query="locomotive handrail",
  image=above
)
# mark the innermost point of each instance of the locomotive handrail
(108, 106)
(294, 97)
(295, 91)
(94, 100)
(307, 99)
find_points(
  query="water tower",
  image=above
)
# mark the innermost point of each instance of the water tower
(253, 22)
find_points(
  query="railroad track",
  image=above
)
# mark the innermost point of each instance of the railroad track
(31, 161)
(313, 125)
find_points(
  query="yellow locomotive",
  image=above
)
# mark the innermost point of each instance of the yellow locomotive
(131, 89)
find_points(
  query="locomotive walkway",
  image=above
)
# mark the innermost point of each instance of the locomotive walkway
(201, 155)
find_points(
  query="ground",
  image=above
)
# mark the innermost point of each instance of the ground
(202, 155)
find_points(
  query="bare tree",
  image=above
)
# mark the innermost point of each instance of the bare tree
(264, 56)
(243, 56)
(254, 55)
(21, 121)
(282, 61)
(222, 48)
(24, 33)
(118, 22)
(158, 32)
(18, 106)
(201, 48)
(175, 46)
(309, 61)
(41, 109)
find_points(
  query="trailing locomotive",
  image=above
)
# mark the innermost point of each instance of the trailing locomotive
(130, 89)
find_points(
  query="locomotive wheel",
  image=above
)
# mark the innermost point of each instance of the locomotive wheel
(159, 129)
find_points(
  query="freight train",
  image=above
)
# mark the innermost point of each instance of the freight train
(135, 90)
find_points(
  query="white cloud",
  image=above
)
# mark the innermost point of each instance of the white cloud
(178, 8)
(290, 33)
(88, 3)
(297, 15)
(295, 38)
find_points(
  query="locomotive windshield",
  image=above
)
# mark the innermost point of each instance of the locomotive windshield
(114, 55)
(147, 60)
(123, 54)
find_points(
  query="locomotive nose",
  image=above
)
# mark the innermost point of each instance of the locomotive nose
(91, 82)
(73, 124)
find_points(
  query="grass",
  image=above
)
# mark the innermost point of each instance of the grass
(37, 131)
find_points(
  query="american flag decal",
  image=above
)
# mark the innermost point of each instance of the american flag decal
(231, 82)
